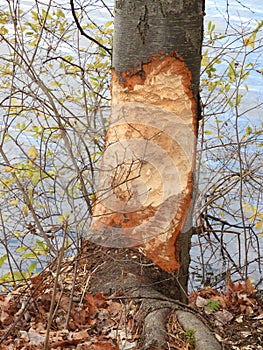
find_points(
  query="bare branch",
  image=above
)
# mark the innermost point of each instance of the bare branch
(82, 31)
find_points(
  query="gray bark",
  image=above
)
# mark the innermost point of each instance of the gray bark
(143, 28)
(204, 338)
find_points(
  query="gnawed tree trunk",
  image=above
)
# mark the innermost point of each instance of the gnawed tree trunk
(145, 185)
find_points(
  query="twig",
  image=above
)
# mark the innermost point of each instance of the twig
(82, 31)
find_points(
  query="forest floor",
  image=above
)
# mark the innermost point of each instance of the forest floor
(59, 311)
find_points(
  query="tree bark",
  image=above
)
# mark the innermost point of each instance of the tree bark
(158, 27)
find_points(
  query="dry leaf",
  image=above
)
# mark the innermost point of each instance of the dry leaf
(201, 302)
(239, 319)
(103, 346)
(35, 338)
(223, 316)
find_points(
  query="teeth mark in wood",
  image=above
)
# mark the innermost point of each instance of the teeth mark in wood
(145, 181)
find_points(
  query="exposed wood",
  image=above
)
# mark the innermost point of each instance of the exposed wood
(147, 166)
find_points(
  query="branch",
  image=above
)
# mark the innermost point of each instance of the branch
(107, 7)
(224, 222)
(82, 31)
(65, 60)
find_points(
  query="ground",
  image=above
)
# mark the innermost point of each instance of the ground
(64, 308)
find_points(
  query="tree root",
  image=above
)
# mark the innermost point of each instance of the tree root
(155, 330)
(155, 310)
(204, 339)
(125, 270)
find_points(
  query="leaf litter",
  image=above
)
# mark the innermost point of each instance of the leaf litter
(81, 320)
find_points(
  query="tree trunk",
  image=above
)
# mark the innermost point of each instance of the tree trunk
(146, 176)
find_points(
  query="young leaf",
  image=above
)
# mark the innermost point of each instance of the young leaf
(32, 268)
(33, 152)
(258, 225)
(29, 255)
(21, 249)
(248, 130)
(238, 100)
(249, 41)
(3, 259)
(25, 210)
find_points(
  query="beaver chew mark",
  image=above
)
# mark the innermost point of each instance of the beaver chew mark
(152, 125)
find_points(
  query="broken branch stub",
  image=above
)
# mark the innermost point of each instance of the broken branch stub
(145, 182)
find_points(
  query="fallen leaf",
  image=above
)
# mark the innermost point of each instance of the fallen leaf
(223, 316)
(239, 319)
(246, 334)
(114, 308)
(201, 302)
(103, 346)
(35, 338)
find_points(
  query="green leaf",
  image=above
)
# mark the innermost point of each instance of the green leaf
(21, 249)
(230, 102)
(231, 72)
(6, 277)
(108, 24)
(33, 152)
(34, 15)
(60, 13)
(55, 83)
(32, 267)
(239, 97)
(35, 178)
(18, 275)
(212, 306)
(29, 255)
(3, 259)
